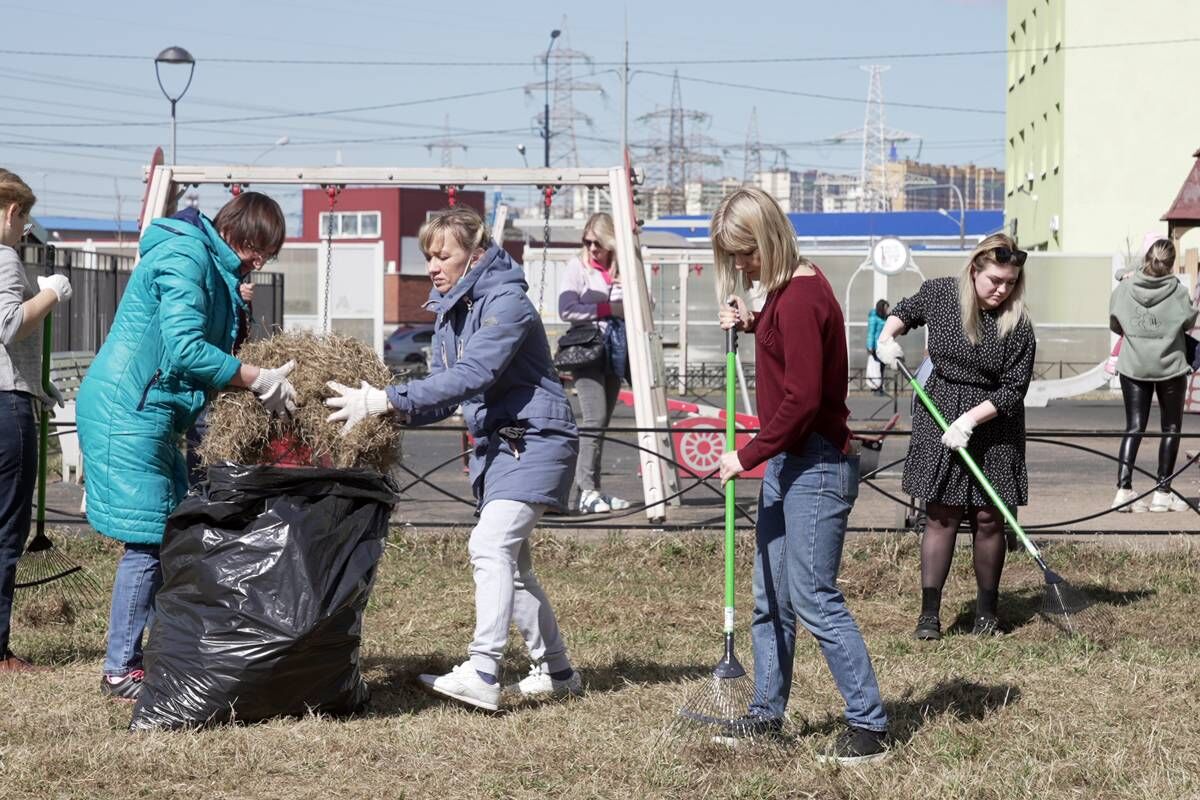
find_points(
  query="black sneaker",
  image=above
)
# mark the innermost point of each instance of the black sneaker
(126, 688)
(929, 628)
(986, 626)
(748, 727)
(857, 746)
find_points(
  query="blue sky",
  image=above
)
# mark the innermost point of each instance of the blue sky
(50, 104)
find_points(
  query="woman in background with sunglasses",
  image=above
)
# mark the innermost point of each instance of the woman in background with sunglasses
(591, 294)
(981, 342)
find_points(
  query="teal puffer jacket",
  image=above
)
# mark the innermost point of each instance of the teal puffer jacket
(169, 346)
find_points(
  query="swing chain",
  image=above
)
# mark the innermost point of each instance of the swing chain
(451, 191)
(548, 193)
(332, 190)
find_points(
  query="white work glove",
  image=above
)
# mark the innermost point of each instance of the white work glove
(355, 405)
(275, 391)
(889, 352)
(57, 284)
(959, 433)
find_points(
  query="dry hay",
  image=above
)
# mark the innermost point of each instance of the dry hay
(45, 608)
(241, 431)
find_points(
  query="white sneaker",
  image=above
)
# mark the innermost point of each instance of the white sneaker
(464, 685)
(1167, 501)
(615, 503)
(1124, 496)
(538, 683)
(592, 502)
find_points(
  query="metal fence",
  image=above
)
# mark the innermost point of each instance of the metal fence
(98, 281)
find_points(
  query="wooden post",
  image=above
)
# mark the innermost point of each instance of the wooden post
(684, 270)
(645, 354)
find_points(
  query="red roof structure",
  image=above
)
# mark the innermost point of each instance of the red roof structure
(1186, 207)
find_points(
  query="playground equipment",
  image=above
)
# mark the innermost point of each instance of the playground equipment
(166, 184)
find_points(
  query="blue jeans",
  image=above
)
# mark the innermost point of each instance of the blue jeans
(139, 577)
(802, 515)
(18, 479)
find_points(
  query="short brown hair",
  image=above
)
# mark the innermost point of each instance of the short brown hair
(463, 222)
(15, 190)
(252, 220)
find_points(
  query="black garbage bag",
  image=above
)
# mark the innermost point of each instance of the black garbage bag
(266, 574)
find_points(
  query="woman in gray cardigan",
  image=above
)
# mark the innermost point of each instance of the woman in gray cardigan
(22, 397)
(1153, 312)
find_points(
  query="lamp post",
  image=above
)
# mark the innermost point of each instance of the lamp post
(962, 223)
(554, 34)
(962, 208)
(280, 142)
(174, 55)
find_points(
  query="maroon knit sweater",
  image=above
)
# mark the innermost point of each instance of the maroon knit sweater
(800, 362)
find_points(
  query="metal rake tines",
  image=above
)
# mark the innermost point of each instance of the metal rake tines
(715, 702)
(1075, 612)
(48, 568)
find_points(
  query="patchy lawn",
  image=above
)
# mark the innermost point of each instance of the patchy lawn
(1029, 714)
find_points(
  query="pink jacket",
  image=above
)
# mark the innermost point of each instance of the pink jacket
(587, 293)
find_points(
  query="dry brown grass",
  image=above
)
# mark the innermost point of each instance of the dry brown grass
(240, 431)
(1026, 715)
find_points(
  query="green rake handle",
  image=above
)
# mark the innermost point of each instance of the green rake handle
(975, 470)
(731, 485)
(44, 426)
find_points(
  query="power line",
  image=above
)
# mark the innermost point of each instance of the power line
(344, 62)
(819, 96)
(57, 170)
(290, 115)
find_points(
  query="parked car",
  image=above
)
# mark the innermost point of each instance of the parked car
(408, 347)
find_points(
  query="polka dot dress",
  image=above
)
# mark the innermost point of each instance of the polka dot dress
(964, 376)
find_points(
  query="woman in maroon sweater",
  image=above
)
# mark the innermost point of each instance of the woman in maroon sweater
(811, 480)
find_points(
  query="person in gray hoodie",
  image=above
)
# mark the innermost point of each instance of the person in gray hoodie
(491, 356)
(1153, 312)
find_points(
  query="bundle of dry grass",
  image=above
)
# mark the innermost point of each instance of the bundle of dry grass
(45, 608)
(241, 431)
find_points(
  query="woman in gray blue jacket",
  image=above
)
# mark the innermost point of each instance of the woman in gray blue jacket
(491, 356)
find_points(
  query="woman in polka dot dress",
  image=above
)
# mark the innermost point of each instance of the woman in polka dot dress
(982, 344)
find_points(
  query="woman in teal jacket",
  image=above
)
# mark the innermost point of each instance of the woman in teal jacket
(875, 320)
(169, 346)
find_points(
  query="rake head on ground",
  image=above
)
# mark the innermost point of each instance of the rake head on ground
(716, 702)
(1075, 612)
(45, 569)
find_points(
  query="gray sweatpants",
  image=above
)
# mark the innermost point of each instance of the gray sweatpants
(597, 398)
(507, 591)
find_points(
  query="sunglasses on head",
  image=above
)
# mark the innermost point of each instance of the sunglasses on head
(1004, 255)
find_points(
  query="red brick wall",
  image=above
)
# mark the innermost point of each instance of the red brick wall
(404, 296)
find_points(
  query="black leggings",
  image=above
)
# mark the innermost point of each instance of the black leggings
(1138, 395)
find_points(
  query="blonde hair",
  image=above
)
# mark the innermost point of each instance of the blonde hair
(461, 222)
(1012, 312)
(1160, 259)
(746, 221)
(600, 225)
(14, 190)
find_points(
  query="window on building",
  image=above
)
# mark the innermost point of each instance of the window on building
(350, 225)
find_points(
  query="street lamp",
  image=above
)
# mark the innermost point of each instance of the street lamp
(174, 55)
(554, 34)
(280, 142)
(962, 207)
(521, 150)
(962, 223)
